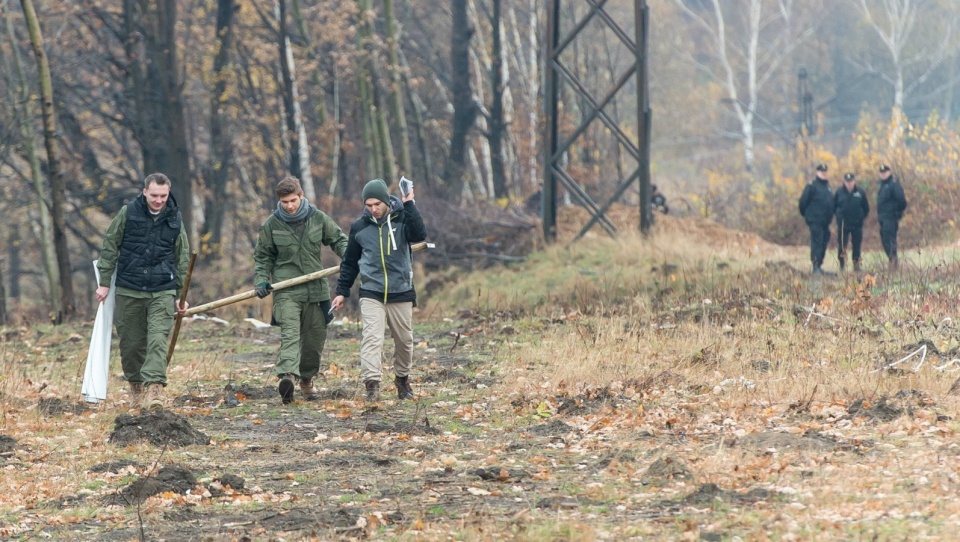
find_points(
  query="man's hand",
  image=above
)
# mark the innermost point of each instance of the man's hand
(337, 303)
(102, 293)
(408, 196)
(181, 309)
(263, 289)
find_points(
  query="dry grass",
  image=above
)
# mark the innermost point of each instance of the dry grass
(803, 400)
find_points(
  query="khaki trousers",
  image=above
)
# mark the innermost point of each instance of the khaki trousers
(377, 316)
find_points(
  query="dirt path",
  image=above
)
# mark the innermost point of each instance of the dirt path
(338, 468)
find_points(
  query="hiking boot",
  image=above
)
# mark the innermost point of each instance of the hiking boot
(153, 398)
(286, 387)
(136, 393)
(307, 389)
(404, 391)
(856, 266)
(894, 263)
(373, 391)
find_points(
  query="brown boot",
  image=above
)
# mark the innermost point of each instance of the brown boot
(136, 394)
(856, 266)
(307, 389)
(153, 399)
(373, 390)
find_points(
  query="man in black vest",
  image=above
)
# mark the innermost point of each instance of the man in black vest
(891, 203)
(816, 206)
(147, 245)
(852, 207)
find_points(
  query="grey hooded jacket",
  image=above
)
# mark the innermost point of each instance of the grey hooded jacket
(378, 251)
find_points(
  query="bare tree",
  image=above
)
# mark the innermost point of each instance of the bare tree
(748, 51)
(465, 108)
(221, 144)
(895, 23)
(25, 114)
(57, 185)
(296, 140)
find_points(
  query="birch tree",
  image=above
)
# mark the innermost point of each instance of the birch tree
(24, 114)
(895, 22)
(57, 185)
(750, 41)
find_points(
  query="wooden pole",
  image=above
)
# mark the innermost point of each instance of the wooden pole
(183, 298)
(280, 285)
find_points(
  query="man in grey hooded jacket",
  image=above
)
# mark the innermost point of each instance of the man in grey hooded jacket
(378, 251)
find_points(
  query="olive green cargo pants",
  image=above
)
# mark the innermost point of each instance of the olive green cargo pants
(143, 325)
(303, 332)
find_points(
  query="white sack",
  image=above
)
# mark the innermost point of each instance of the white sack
(98, 357)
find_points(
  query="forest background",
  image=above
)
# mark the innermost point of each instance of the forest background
(228, 96)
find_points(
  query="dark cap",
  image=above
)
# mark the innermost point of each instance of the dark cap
(821, 167)
(376, 189)
(848, 176)
(884, 167)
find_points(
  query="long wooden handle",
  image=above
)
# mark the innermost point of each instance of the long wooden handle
(183, 297)
(280, 285)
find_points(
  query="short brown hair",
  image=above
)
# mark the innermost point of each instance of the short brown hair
(156, 178)
(289, 185)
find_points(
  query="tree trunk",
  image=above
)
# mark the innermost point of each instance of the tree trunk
(57, 185)
(47, 247)
(221, 145)
(464, 107)
(396, 86)
(157, 89)
(371, 139)
(299, 163)
(496, 128)
(418, 108)
(372, 101)
(335, 155)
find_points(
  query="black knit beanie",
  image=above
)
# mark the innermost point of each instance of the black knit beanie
(376, 189)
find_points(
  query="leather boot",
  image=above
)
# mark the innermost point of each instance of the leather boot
(307, 389)
(373, 390)
(154, 396)
(404, 391)
(285, 388)
(856, 266)
(136, 394)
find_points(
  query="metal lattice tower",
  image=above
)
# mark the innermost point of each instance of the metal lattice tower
(595, 107)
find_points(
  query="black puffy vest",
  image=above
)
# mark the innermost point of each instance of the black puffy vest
(147, 260)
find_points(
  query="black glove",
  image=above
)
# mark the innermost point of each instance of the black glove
(263, 289)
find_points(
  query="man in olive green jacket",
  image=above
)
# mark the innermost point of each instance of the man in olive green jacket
(288, 246)
(147, 245)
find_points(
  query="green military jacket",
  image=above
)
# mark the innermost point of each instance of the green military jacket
(284, 252)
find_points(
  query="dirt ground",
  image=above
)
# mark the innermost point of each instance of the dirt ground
(650, 459)
(228, 462)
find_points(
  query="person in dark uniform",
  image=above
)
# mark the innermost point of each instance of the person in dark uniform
(851, 207)
(816, 206)
(891, 203)
(657, 200)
